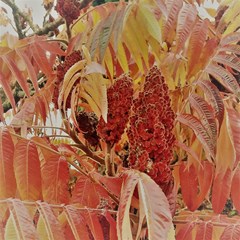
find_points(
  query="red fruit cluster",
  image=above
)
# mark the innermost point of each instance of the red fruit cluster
(150, 133)
(68, 9)
(120, 96)
(62, 68)
(87, 123)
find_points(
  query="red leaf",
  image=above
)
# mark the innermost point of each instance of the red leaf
(94, 225)
(48, 226)
(204, 231)
(55, 176)
(231, 232)
(235, 190)
(185, 232)
(205, 177)
(189, 184)
(76, 222)
(113, 184)
(221, 190)
(27, 170)
(113, 226)
(84, 197)
(7, 178)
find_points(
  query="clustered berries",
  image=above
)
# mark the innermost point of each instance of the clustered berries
(150, 133)
(62, 68)
(87, 123)
(68, 9)
(119, 96)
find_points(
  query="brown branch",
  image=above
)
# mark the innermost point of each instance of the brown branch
(50, 27)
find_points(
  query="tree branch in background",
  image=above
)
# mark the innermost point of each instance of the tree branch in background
(18, 14)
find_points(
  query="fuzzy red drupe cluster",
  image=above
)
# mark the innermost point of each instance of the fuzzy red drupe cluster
(120, 96)
(68, 9)
(150, 133)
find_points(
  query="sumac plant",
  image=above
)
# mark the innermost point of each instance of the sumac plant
(123, 123)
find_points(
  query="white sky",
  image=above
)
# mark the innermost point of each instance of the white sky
(39, 11)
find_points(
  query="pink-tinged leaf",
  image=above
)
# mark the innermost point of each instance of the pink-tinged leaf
(7, 89)
(231, 232)
(130, 180)
(113, 226)
(185, 23)
(40, 58)
(200, 131)
(231, 48)
(185, 231)
(94, 225)
(235, 190)
(25, 116)
(162, 7)
(27, 170)
(215, 99)
(30, 68)
(7, 178)
(188, 150)
(221, 190)
(173, 8)
(9, 60)
(224, 77)
(155, 207)
(204, 231)
(19, 224)
(81, 194)
(205, 112)
(234, 122)
(189, 186)
(48, 227)
(229, 60)
(77, 222)
(196, 43)
(230, 38)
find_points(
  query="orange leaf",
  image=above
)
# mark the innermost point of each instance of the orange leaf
(27, 170)
(7, 178)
